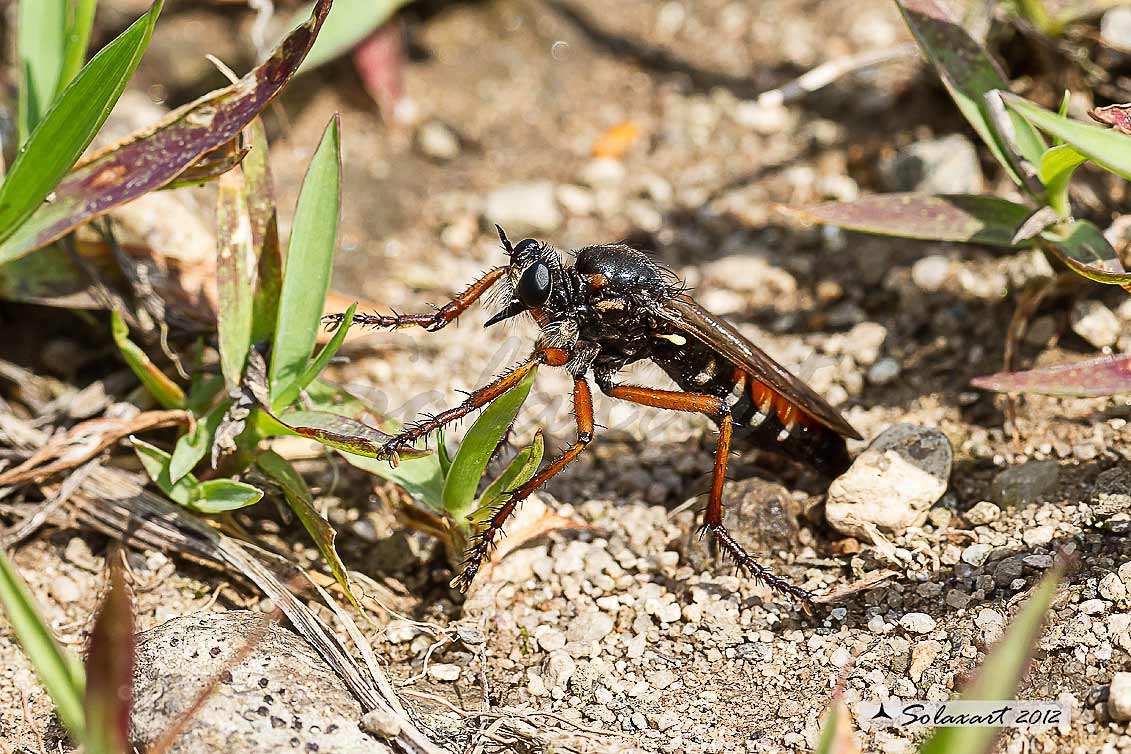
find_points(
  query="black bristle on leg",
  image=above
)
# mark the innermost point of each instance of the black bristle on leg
(744, 562)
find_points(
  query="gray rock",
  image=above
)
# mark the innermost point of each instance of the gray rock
(1111, 494)
(947, 165)
(589, 626)
(976, 554)
(891, 484)
(917, 623)
(760, 513)
(281, 697)
(1027, 483)
(1115, 29)
(523, 207)
(1095, 323)
(1119, 697)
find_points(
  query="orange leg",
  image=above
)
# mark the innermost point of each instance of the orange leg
(477, 399)
(430, 322)
(481, 550)
(713, 516)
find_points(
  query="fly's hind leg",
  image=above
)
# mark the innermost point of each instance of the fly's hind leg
(713, 516)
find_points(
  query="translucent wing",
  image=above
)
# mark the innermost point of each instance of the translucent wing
(683, 312)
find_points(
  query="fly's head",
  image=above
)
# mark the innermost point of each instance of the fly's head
(536, 282)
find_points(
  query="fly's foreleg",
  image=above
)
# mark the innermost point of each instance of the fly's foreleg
(430, 322)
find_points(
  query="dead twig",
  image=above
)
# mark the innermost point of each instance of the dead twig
(24, 529)
(827, 73)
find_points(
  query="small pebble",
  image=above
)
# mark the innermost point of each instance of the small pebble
(917, 623)
(1095, 323)
(976, 554)
(1112, 587)
(1028, 483)
(1119, 697)
(443, 671)
(930, 272)
(982, 513)
(884, 371)
(437, 141)
(1093, 607)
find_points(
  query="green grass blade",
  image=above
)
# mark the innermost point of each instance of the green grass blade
(71, 123)
(110, 670)
(478, 446)
(1055, 170)
(1001, 674)
(80, 21)
(315, 367)
(192, 446)
(301, 502)
(310, 255)
(1108, 148)
(60, 673)
(521, 468)
(349, 23)
(40, 42)
(156, 464)
(166, 392)
(1082, 246)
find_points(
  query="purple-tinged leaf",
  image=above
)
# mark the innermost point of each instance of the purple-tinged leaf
(152, 158)
(259, 198)
(210, 167)
(969, 73)
(962, 218)
(235, 274)
(110, 670)
(1083, 248)
(1095, 378)
(1116, 116)
(380, 62)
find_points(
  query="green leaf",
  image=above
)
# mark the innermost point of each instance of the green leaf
(192, 446)
(59, 672)
(1082, 246)
(80, 21)
(520, 470)
(110, 670)
(259, 198)
(222, 495)
(1056, 169)
(962, 218)
(969, 73)
(1108, 148)
(301, 502)
(156, 464)
(235, 274)
(478, 446)
(164, 390)
(41, 32)
(71, 124)
(310, 255)
(349, 23)
(442, 454)
(1000, 675)
(319, 363)
(343, 433)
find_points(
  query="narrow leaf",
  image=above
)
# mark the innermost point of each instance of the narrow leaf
(59, 673)
(1083, 247)
(343, 433)
(1056, 169)
(315, 367)
(71, 124)
(110, 670)
(837, 735)
(156, 464)
(520, 470)
(1000, 675)
(301, 502)
(235, 275)
(969, 73)
(1095, 378)
(222, 495)
(479, 445)
(151, 158)
(192, 446)
(1106, 147)
(259, 199)
(80, 21)
(310, 255)
(442, 454)
(164, 390)
(963, 218)
(40, 44)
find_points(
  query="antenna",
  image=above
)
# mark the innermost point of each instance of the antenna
(503, 237)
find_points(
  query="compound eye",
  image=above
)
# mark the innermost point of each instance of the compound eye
(534, 285)
(526, 246)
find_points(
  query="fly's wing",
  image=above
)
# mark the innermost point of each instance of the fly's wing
(685, 314)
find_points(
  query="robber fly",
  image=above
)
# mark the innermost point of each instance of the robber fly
(615, 306)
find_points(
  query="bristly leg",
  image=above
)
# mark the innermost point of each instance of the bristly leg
(432, 321)
(480, 551)
(713, 514)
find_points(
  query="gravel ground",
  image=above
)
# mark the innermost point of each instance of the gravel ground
(630, 625)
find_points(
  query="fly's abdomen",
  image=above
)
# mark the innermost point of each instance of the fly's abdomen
(768, 421)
